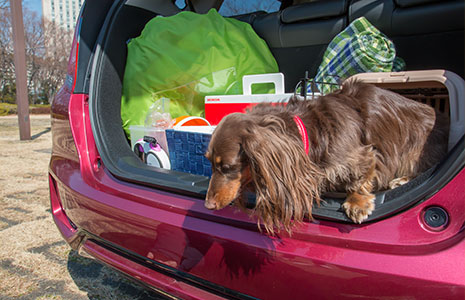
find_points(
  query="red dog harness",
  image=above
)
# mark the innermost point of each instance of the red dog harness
(303, 132)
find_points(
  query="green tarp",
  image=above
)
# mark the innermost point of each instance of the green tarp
(186, 57)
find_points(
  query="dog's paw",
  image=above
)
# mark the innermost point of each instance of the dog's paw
(358, 207)
(398, 182)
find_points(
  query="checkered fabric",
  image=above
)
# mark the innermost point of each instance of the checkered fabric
(360, 48)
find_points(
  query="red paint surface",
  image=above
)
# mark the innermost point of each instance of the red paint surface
(396, 258)
(214, 112)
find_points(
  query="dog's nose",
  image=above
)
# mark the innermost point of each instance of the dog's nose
(210, 204)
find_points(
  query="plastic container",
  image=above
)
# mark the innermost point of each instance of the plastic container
(443, 90)
(187, 147)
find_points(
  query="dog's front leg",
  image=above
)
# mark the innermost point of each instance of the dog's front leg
(395, 183)
(359, 206)
(360, 201)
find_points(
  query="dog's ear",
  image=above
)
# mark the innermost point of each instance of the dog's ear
(286, 181)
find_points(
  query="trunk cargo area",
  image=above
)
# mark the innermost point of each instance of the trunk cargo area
(295, 54)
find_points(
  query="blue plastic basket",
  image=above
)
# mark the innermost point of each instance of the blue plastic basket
(187, 151)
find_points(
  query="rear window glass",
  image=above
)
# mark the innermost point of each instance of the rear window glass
(240, 7)
(180, 3)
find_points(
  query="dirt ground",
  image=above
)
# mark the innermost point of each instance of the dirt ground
(35, 262)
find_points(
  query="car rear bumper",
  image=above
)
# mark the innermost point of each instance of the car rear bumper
(160, 278)
(155, 276)
(427, 272)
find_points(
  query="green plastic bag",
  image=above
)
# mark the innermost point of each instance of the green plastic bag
(186, 57)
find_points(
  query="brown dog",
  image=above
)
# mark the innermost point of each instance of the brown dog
(361, 138)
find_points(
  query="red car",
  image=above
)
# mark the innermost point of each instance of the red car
(151, 224)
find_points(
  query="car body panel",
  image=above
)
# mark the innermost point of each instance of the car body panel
(173, 244)
(227, 249)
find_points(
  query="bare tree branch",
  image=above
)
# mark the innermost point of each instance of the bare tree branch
(4, 4)
(47, 52)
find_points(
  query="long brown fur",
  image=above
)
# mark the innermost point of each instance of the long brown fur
(361, 138)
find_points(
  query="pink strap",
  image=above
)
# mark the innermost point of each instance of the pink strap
(303, 133)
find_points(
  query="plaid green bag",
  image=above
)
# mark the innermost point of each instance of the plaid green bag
(360, 48)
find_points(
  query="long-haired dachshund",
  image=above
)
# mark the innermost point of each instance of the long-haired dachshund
(361, 138)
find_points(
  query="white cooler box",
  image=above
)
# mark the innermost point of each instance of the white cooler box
(216, 107)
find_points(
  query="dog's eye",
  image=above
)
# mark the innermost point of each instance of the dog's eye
(230, 169)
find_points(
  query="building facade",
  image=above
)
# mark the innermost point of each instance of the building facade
(62, 12)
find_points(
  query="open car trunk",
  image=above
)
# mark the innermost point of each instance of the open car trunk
(294, 56)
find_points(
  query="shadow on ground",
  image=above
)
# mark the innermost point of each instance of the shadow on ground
(46, 130)
(102, 282)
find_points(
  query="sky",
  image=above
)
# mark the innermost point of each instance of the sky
(34, 5)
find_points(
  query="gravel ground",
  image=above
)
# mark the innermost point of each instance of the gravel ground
(35, 262)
